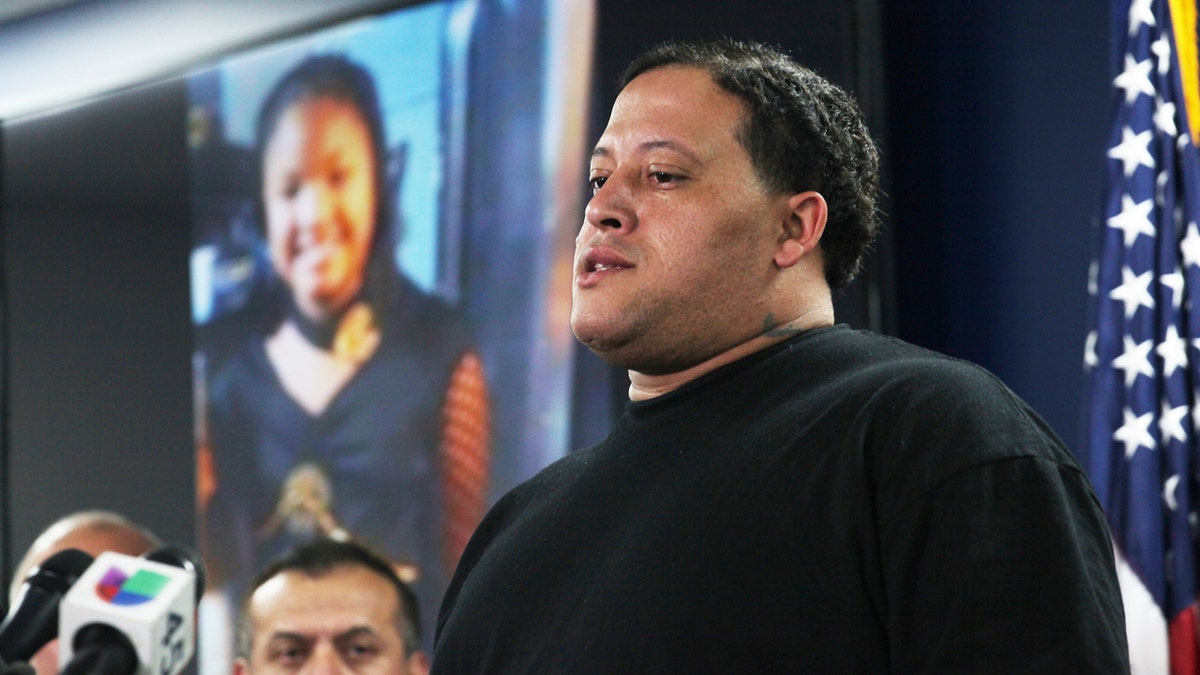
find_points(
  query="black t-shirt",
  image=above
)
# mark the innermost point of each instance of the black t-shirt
(841, 502)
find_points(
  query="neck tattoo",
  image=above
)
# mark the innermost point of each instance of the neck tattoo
(774, 328)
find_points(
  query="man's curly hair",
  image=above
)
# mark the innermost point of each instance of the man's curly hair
(802, 133)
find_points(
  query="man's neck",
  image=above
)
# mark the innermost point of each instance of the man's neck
(643, 386)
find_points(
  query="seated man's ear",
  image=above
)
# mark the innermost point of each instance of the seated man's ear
(418, 663)
(802, 225)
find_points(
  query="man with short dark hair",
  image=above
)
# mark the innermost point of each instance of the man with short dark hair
(330, 606)
(782, 494)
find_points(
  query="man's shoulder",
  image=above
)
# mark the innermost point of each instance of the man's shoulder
(870, 358)
(558, 475)
(914, 393)
(541, 488)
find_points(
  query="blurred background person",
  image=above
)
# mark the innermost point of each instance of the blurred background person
(93, 532)
(355, 406)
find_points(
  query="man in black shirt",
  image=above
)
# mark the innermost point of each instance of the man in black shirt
(782, 494)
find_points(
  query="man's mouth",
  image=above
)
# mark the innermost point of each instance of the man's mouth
(600, 262)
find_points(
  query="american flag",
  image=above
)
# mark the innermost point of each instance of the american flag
(1143, 355)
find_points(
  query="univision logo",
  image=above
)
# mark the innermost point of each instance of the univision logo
(118, 588)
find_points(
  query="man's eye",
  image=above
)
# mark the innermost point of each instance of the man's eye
(359, 652)
(597, 182)
(662, 177)
(288, 656)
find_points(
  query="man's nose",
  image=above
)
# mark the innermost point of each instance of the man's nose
(612, 205)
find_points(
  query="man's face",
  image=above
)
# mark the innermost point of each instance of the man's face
(344, 621)
(674, 261)
(319, 201)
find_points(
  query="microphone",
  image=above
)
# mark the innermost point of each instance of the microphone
(32, 621)
(183, 558)
(132, 616)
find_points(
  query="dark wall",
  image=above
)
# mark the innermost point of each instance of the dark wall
(98, 340)
(998, 116)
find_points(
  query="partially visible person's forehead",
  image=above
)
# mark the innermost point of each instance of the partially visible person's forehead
(96, 540)
(349, 588)
(93, 540)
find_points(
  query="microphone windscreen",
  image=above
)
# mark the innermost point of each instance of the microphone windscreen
(101, 650)
(33, 619)
(182, 557)
(60, 571)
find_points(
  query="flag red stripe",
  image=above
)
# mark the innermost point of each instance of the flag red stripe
(1182, 632)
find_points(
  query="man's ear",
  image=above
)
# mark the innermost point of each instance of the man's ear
(418, 663)
(240, 666)
(802, 227)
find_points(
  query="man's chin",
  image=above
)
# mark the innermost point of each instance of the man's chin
(621, 353)
(601, 342)
(629, 345)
